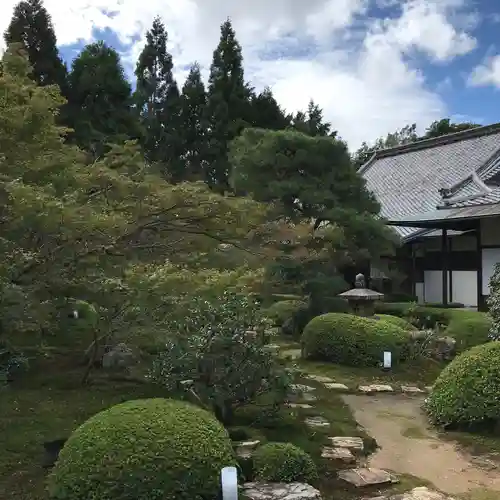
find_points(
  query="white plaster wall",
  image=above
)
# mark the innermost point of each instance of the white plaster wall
(490, 231)
(491, 256)
(464, 287)
(433, 286)
(419, 292)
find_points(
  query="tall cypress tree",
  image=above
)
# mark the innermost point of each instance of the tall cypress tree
(267, 113)
(193, 126)
(158, 101)
(228, 108)
(31, 26)
(312, 122)
(100, 99)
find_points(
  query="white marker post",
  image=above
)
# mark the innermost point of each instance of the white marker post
(387, 360)
(229, 482)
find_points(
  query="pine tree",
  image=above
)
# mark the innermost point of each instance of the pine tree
(267, 113)
(100, 99)
(158, 100)
(31, 26)
(228, 105)
(193, 126)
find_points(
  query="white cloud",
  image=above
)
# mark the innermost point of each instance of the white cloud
(359, 72)
(487, 73)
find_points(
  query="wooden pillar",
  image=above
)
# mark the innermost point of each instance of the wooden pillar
(413, 270)
(479, 263)
(444, 254)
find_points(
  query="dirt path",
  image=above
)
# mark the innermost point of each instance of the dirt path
(409, 447)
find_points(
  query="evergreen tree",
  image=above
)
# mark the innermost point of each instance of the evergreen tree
(267, 113)
(31, 26)
(445, 126)
(228, 108)
(312, 122)
(157, 98)
(193, 127)
(100, 99)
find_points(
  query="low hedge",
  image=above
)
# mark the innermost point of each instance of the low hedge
(469, 330)
(144, 450)
(353, 340)
(281, 311)
(396, 320)
(285, 463)
(466, 392)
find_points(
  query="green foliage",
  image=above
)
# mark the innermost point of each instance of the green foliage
(193, 126)
(467, 390)
(228, 106)
(279, 312)
(284, 462)
(98, 119)
(395, 320)
(469, 330)
(208, 343)
(312, 122)
(352, 340)
(157, 99)
(267, 113)
(445, 126)
(143, 450)
(494, 303)
(116, 235)
(31, 26)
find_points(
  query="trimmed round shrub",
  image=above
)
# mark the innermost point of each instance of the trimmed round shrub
(283, 462)
(469, 330)
(467, 390)
(352, 340)
(394, 320)
(279, 312)
(148, 449)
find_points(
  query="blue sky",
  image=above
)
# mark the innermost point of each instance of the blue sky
(373, 65)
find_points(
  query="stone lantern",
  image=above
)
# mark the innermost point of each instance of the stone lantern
(361, 299)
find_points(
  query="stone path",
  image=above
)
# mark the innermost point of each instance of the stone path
(409, 447)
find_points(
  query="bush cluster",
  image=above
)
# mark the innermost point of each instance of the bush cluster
(144, 450)
(467, 390)
(283, 462)
(353, 340)
(396, 320)
(469, 330)
(281, 311)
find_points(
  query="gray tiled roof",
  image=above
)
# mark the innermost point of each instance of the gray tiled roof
(406, 180)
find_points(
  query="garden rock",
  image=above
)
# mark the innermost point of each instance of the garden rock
(319, 378)
(337, 387)
(120, 356)
(369, 389)
(300, 388)
(421, 493)
(280, 491)
(410, 389)
(351, 443)
(366, 477)
(299, 405)
(245, 449)
(317, 422)
(342, 454)
(291, 353)
(445, 349)
(52, 449)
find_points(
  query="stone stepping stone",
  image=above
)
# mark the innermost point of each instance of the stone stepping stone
(320, 379)
(317, 422)
(362, 477)
(246, 448)
(302, 388)
(350, 443)
(411, 389)
(337, 387)
(281, 491)
(304, 406)
(306, 396)
(421, 493)
(369, 389)
(342, 454)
